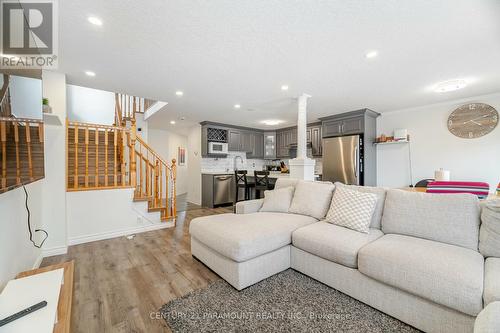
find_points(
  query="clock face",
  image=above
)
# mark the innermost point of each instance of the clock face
(472, 121)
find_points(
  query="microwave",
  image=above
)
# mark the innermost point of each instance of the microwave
(217, 148)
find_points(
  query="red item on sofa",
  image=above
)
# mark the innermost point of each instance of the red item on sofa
(447, 187)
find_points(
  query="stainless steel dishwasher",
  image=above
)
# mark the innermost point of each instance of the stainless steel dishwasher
(224, 189)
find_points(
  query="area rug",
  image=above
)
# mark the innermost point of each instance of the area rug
(286, 302)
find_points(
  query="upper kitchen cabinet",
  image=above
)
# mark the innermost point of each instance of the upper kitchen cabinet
(234, 140)
(355, 122)
(257, 145)
(212, 133)
(270, 145)
(314, 136)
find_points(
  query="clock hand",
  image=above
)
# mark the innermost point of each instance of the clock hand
(474, 120)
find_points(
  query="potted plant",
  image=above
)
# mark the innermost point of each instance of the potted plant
(45, 106)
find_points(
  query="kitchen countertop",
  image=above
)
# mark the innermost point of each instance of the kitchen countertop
(272, 174)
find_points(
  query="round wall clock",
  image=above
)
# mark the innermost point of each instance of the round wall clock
(473, 120)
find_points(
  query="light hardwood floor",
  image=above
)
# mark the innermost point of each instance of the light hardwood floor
(120, 282)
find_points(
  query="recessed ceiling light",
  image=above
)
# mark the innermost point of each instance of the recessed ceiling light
(172, 122)
(284, 87)
(237, 106)
(450, 85)
(371, 54)
(95, 20)
(179, 93)
(90, 73)
(272, 122)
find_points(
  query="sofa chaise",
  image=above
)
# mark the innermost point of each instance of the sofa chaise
(419, 261)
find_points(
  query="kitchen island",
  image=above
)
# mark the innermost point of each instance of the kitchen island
(218, 188)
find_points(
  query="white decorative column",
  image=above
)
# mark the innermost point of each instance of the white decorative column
(302, 167)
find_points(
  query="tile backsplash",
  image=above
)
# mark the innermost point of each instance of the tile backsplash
(226, 164)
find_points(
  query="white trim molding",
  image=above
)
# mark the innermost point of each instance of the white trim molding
(118, 233)
(54, 251)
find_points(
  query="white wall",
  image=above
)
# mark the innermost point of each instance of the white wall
(54, 189)
(95, 215)
(166, 143)
(17, 254)
(434, 147)
(194, 165)
(26, 97)
(90, 105)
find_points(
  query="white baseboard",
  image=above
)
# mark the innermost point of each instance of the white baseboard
(38, 261)
(118, 233)
(55, 251)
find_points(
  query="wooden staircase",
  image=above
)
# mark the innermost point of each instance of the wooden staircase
(107, 157)
(21, 145)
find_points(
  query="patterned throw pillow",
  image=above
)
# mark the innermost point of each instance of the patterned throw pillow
(352, 209)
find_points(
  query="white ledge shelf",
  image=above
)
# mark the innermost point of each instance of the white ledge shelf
(391, 143)
(52, 119)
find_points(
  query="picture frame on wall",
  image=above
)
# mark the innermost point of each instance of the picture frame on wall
(181, 156)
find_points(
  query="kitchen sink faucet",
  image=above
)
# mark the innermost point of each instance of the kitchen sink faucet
(235, 165)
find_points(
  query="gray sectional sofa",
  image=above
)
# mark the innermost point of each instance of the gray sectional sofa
(419, 262)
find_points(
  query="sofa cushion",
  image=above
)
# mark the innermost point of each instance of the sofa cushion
(332, 242)
(278, 200)
(445, 274)
(241, 237)
(491, 281)
(312, 198)
(447, 218)
(285, 182)
(489, 236)
(488, 321)
(379, 208)
(352, 209)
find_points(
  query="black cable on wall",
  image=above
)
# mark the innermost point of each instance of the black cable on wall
(29, 223)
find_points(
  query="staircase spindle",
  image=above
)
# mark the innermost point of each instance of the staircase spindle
(3, 139)
(87, 157)
(122, 155)
(115, 146)
(174, 200)
(75, 185)
(18, 162)
(96, 177)
(105, 157)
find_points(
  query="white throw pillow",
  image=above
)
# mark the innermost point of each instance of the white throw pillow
(352, 209)
(278, 200)
(312, 198)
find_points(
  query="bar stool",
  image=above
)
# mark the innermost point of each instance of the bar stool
(242, 182)
(261, 182)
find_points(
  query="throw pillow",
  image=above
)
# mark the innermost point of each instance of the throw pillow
(312, 198)
(379, 208)
(277, 200)
(352, 209)
(489, 235)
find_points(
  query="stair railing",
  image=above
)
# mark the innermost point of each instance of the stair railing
(155, 179)
(128, 106)
(5, 108)
(97, 156)
(16, 137)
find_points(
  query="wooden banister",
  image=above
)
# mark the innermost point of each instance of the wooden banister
(21, 151)
(152, 178)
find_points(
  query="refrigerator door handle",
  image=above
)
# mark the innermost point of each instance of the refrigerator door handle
(356, 161)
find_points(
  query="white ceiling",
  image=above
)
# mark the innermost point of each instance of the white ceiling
(224, 52)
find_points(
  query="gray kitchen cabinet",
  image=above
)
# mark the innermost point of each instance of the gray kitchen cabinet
(332, 128)
(353, 125)
(315, 139)
(257, 145)
(246, 141)
(270, 145)
(344, 124)
(234, 139)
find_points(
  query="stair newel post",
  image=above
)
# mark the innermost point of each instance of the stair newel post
(174, 177)
(133, 133)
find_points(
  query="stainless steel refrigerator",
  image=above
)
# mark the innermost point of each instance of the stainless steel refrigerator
(343, 159)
